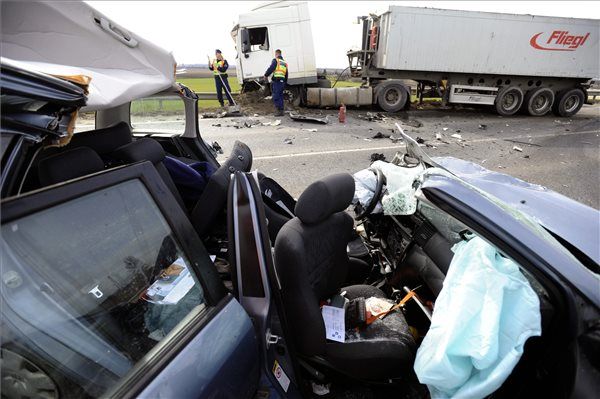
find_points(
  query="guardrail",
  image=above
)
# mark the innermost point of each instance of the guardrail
(213, 96)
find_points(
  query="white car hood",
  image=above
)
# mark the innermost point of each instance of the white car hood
(66, 38)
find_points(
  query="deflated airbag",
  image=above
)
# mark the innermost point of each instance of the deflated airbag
(483, 315)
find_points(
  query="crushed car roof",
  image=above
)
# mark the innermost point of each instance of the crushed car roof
(72, 38)
(574, 222)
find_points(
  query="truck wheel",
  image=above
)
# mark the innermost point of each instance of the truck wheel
(508, 100)
(568, 102)
(539, 101)
(391, 96)
(291, 94)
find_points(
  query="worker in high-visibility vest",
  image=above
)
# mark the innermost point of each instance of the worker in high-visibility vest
(279, 69)
(219, 67)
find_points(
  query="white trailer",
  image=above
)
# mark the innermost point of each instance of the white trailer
(509, 61)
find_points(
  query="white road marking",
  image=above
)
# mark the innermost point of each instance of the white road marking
(482, 140)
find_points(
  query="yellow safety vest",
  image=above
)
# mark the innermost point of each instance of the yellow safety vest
(280, 69)
(217, 64)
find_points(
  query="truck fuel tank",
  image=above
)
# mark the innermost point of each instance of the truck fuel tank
(334, 97)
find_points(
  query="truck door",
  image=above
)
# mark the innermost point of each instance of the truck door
(256, 51)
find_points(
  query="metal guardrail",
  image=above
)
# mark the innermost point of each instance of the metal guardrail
(212, 96)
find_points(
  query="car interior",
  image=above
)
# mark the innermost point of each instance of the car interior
(319, 251)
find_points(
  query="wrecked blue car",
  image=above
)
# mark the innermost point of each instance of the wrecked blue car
(420, 277)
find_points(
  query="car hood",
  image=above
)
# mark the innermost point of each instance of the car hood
(72, 38)
(572, 221)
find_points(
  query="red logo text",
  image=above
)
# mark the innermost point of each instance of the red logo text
(559, 40)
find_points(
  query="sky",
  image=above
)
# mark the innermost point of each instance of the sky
(194, 29)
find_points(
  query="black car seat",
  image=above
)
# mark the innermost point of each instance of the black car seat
(147, 149)
(69, 164)
(105, 140)
(312, 262)
(212, 202)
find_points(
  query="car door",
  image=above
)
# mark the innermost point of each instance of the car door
(561, 367)
(107, 291)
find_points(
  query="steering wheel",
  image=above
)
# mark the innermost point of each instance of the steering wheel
(368, 208)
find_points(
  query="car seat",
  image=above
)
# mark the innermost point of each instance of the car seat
(312, 262)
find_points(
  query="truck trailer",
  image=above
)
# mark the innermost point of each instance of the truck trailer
(510, 62)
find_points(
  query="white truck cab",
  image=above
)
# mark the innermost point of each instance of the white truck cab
(281, 25)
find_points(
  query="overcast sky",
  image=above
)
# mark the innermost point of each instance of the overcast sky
(193, 29)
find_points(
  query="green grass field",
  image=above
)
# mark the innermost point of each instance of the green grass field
(207, 85)
(202, 85)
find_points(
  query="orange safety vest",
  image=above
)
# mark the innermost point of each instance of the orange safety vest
(217, 64)
(280, 69)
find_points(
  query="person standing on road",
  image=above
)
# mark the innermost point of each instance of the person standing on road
(219, 67)
(280, 75)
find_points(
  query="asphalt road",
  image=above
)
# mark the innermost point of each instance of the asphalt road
(562, 154)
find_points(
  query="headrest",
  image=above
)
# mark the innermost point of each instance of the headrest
(69, 165)
(325, 197)
(144, 149)
(103, 140)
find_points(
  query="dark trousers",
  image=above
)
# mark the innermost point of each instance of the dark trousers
(220, 83)
(277, 87)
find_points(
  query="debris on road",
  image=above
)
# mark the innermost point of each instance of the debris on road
(276, 122)
(310, 130)
(456, 136)
(517, 148)
(444, 129)
(209, 115)
(380, 135)
(372, 116)
(217, 147)
(482, 127)
(251, 122)
(288, 141)
(377, 157)
(562, 122)
(395, 139)
(523, 142)
(216, 125)
(438, 136)
(412, 123)
(309, 118)
(419, 140)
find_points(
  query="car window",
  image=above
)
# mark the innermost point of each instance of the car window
(259, 39)
(6, 139)
(85, 121)
(163, 114)
(93, 285)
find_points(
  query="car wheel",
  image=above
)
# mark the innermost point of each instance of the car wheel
(509, 100)
(569, 102)
(22, 378)
(391, 96)
(539, 101)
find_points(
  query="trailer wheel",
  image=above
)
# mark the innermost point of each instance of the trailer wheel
(568, 102)
(509, 100)
(539, 101)
(391, 96)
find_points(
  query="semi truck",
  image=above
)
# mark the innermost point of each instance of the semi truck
(533, 64)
